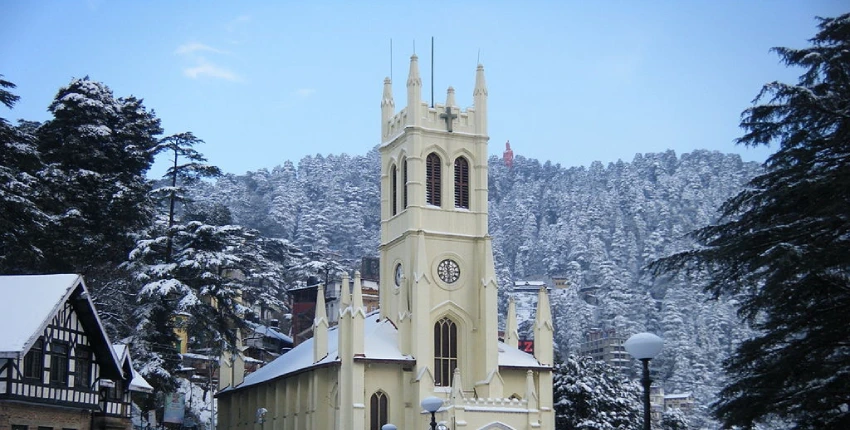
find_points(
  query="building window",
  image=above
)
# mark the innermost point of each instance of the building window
(19, 427)
(379, 410)
(445, 351)
(114, 392)
(34, 361)
(394, 189)
(58, 363)
(404, 181)
(461, 183)
(82, 367)
(432, 179)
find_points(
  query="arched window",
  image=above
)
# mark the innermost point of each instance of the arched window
(445, 351)
(394, 189)
(461, 183)
(432, 179)
(379, 410)
(404, 180)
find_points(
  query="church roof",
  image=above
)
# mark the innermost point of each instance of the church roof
(381, 344)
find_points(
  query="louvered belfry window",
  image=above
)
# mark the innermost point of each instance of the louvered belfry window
(461, 183)
(404, 181)
(394, 189)
(432, 179)
(379, 410)
(445, 351)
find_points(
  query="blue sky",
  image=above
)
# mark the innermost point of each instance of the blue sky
(264, 82)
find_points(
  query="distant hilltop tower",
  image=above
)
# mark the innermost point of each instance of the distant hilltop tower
(508, 155)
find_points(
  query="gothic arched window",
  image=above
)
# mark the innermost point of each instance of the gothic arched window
(432, 179)
(461, 183)
(379, 410)
(404, 181)
(445, 351)
(394, 190)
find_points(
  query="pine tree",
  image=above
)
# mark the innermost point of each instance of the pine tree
(592, 395)
(21, 219)
(783, 247)
(181, 173)
(97, 150)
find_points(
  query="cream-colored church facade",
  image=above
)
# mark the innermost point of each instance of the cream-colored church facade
(436, 333)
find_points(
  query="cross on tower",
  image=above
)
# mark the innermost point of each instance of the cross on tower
(449, 117)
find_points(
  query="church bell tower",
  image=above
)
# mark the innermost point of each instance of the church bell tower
(438, 283)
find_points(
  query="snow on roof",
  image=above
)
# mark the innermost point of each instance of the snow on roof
(138, 383)
(513, 357)
(380, 343)
(270, 332)
(29, 302)
(677, 396)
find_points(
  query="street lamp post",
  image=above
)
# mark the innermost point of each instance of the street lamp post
(432, 404)
(644, 347)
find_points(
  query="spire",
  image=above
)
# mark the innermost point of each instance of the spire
(387, 99)
(387, 107)
(450, 97)
(543, 329)
(530, 391)
(358, 315)
(480, 82)
(320, 327)
(345, 294)
(413, 79)
(357, 294)
(511, 332)
(479, 96)
(414, 91)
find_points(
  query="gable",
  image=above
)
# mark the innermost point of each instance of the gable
(52, 306)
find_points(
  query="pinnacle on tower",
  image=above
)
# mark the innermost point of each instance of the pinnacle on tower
(387, 99)
(450, 97)
(413, 79)
(320, 327)
(479, 97)
(480, 83)
(543, 329)
(511, 331)
(414, 91)
(387, 107)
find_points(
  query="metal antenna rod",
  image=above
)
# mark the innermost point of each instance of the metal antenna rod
(432, 71)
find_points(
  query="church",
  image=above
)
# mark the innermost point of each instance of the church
(436, 333)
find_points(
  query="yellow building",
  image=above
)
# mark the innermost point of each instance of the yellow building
(436, 332)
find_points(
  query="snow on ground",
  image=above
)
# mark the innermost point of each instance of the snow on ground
(198, 402)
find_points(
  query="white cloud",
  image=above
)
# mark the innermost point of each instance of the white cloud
(305, 92)
(205, 68)
(192, 47)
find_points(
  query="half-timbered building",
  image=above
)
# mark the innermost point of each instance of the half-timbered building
(58, 369)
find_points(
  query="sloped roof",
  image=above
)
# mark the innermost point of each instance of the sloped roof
(269, 331)
(138, 383)
(30, 303)
(380, 344)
